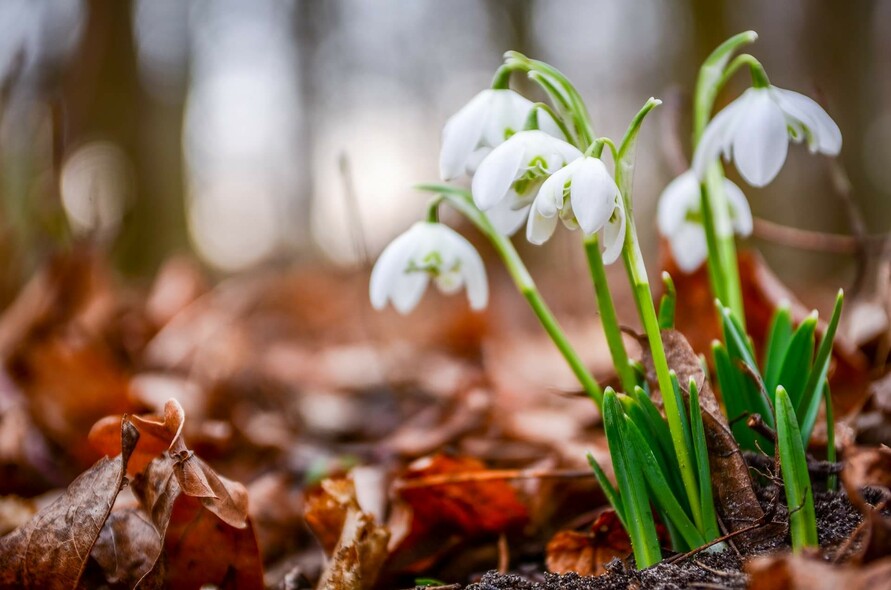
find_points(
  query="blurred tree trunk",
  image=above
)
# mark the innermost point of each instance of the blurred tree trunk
(103, 99)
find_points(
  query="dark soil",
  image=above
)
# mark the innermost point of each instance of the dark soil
(836, 520)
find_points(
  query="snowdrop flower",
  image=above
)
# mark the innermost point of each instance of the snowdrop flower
(755, 130)
(680, 218)
(427, 250)
(506, 181)
(491, 117)
(582, 194)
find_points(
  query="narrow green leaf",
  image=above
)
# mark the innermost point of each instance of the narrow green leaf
(832, 480)
(612, 495)
(798, 359)
(667, 303)
(809, 403)
(738, 342)
(632, 485)
(659, 488)
(793, 463)
(734, 393)
(709, 526)
(655, 426)
(777, 342)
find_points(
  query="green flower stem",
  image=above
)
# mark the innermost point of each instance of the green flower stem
(608, 317)
(637, 274)
(533, 122)
(722, 260)
(461, 201)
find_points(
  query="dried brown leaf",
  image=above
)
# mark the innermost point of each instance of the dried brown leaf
(587, 553)
(51, 550)
(470, 508)
(127, 549)
(361, 548)
(198, 547)
(790, 572)
(870, 467)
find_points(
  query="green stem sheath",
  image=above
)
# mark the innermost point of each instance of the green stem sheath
(637, 275)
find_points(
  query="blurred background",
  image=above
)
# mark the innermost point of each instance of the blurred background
(257, 133)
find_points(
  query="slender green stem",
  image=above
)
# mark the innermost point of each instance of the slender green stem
(533, 119)
(608, 317)
(461, 201)
(722, 259)
(759, 76)
(637, 274)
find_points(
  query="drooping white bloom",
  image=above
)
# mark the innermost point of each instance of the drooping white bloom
(581, 194)
(508, 179)
(484, 123)
(427, 250)
(680, 218)
(755, 130)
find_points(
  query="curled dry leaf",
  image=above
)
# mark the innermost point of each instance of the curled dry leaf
(588, 553)
(732, 483)
(157, 434)
(51, 550)
(870, 467)
(791, 572)
(199, 547)
(127, 549)
(361, 548)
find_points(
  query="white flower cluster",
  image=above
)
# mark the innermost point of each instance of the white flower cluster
(754, 130)
(536, 177)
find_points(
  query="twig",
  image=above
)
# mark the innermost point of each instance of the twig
(756, 423)
(805, 239)
(503, 554)
(491, 475)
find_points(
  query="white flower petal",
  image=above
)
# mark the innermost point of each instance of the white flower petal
(505, 218)
(826, 136)
(473, 271)
(407, 290)
(461, 135)
(497, 173)
(390, 264)
(717, 135)
(689, 247)
(760, 141)
(539, 228)
(550, 196)
(681, 196)
(741, 214)
(614, 235)
(507, 115)
(593, 194)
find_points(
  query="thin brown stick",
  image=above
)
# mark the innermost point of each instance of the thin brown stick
(503, 554)
(805, 239)
(491, 475)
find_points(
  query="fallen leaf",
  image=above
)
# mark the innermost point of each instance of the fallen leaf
(869, 467)
(791, 572)
(326, 507)
(361, 548)
(127, 548)
(198, 547)
(470, 508)
(51, 550)
(587, 553)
